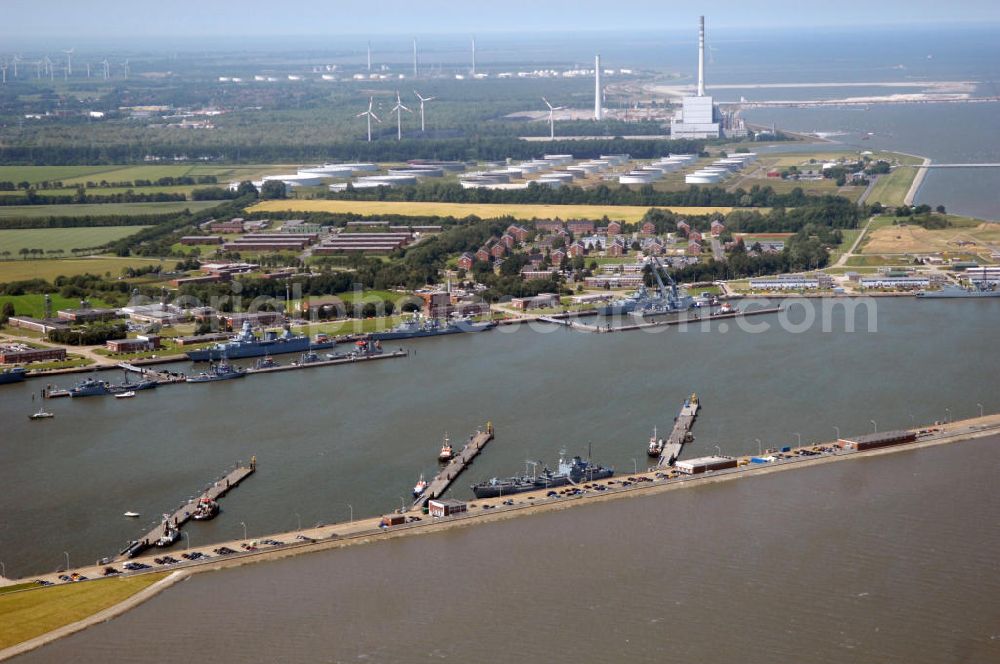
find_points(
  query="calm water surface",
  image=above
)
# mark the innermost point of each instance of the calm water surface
(361, 435)
(885, 560)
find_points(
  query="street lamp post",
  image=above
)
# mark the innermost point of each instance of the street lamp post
(187, 540)
(402, 505)
(874, 424)
(298, 520)
(66, 553)
(947, 414)
(719, 450)
(760, 450)
(350, 507)
(980, 409)
(635, 466)
(799, 436)
(244, 530)
(837, 429)
(3, 570)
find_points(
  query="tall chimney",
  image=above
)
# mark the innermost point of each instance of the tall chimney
(598, 111)
(473, 56)
(701, 56)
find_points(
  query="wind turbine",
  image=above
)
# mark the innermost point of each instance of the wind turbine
(398, 110)
(422, 100)
(107, 68)
(125, 65)
(69, 61)
(370, 115)
(552, 117)
(414, 57)
(3, 68)
(17, 59)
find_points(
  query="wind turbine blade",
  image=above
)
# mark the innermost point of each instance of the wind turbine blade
(375, 117)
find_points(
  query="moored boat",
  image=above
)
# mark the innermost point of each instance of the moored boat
(420, 487)
(207, 509)
(247, 344)
(41, 415)
(447, 453)
(12, 375)
(569, 472)
(655, 448)
(125, 395)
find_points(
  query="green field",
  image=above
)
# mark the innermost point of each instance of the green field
(72, 175)
(67, 239)
(18, 270)
(100, 210)
(25, 615)
(34, 304)
(891, 189)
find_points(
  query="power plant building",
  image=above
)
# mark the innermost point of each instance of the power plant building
(698, 118)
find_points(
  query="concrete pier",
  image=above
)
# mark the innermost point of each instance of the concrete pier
(458, 463)
(183, 514)
(681, 432)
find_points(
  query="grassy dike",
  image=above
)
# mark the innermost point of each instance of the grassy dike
(29, 614)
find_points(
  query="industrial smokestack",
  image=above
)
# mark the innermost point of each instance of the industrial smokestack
(473, 56)
(598, 111)
(701, 56)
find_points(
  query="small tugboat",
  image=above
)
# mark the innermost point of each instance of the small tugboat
(447, 453)
(170, 535)
(420, 487)
(206, 510)
(132, 515)
(655, 445)
(125, 395)
(41, 415)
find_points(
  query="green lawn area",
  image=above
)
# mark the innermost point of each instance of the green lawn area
(101, 209)
(850, 235)
(17, 270)
(67, 239)
(891, 189)
(34, 304)
(351, 326)
(878, 261)
(25, 615)
(35, 174)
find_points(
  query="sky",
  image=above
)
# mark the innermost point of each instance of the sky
(103, 19)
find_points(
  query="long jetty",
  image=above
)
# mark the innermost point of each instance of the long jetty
(681, 432)
(183, 514)
(458, 463)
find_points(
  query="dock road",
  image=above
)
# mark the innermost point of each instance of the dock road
(441, 482)
(681, 432)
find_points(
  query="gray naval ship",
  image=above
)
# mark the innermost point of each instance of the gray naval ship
(981, 286)
(666, 299)
(569, 472)
(247, 344)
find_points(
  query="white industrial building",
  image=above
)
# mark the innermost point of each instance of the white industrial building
(698, 117)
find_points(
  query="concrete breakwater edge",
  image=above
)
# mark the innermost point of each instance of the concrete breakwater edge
(945, 434)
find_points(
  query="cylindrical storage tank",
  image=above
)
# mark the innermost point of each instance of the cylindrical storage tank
(328, 171)
(616, 159)
(562, 176)
(361, 167)
(390, 180)
(636, 178)
(558, 159)
(700, 177)
(551, 183)
(296, 180)
(417, 172)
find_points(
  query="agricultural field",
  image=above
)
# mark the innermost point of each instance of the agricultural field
(61, 239)
(33, 304)
(73, 175)
(100, 210)
(526, 212)
(911, 239)
(18, 270)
